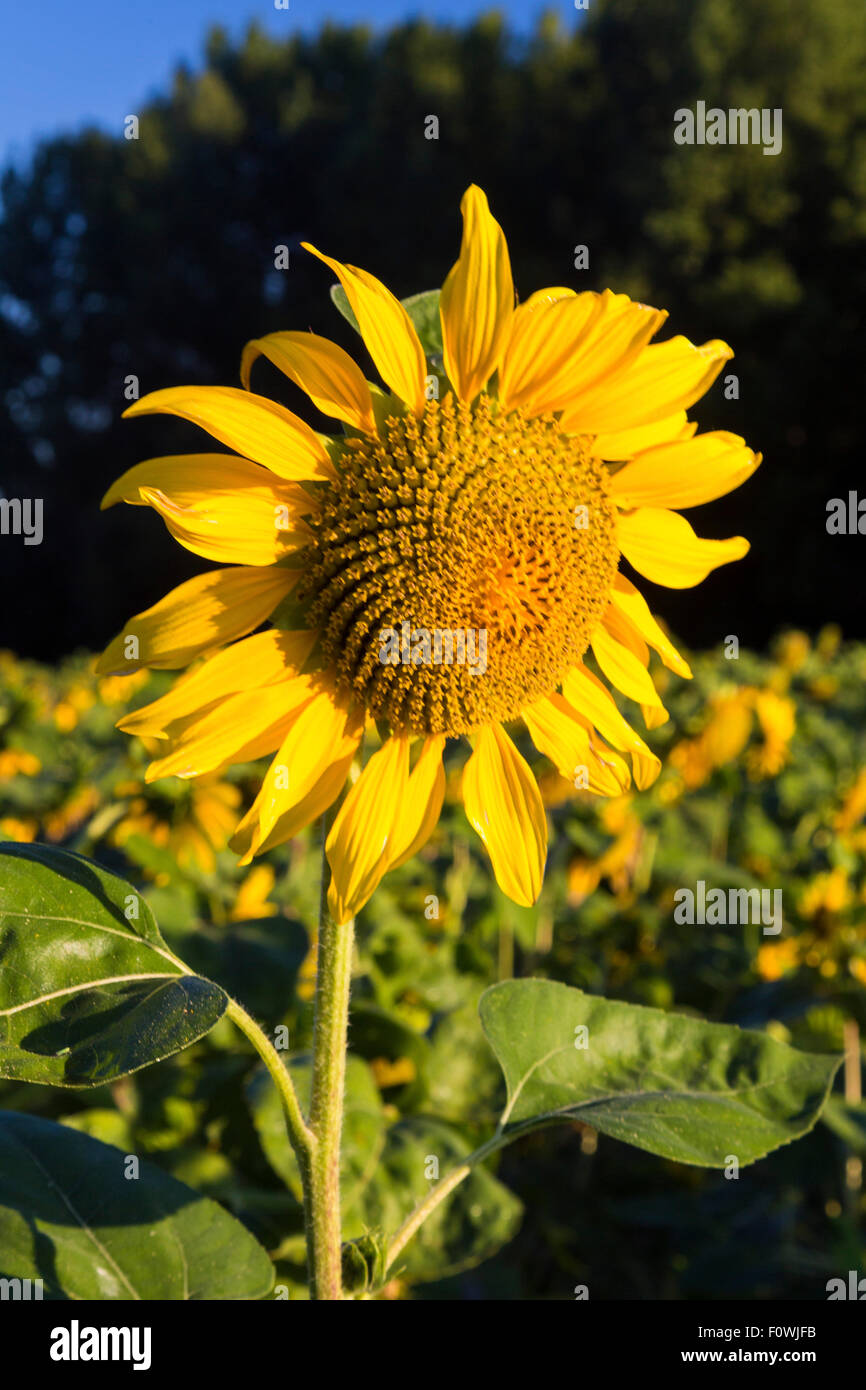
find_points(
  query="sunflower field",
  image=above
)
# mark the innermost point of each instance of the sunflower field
(763, 786)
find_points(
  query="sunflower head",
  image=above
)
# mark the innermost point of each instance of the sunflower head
(446, 565)
(470, 520)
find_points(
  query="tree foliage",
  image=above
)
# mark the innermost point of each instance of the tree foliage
(154, 258)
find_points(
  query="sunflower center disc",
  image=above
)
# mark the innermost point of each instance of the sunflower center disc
(460, 565)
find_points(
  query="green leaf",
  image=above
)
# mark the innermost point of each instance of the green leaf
(363, 1262)
(422, 308)
(70, 1216)
(341, 301)
(87, 994)
(464, 1079)
(257, 961)
(363, 1125)
(478, 1217)
(687, 1090)
(376, 1033)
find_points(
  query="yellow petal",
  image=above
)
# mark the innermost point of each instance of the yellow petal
(253, 426)
(559, 348)
(318, 734)
(240, 529)
(545, 342)
(422, 803)
(363, 836)
(205, 612)
(585, 693)
(504, 806)
(623, 658)
(256, 661)
(666, 377)
(685, 474)
(387, 330)
(551, 295)
(236, 730)
(663, 548)
(635, 609)
(619, 445)
(293, 820)
(477, 300)
(654, 715)
(616, 338)
(219, 506)
(182, 472)
(562, 736)
(334, 383)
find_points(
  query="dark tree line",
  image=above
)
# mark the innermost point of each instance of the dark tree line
(154, 258)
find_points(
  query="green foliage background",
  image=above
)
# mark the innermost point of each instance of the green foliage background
(561, 1207)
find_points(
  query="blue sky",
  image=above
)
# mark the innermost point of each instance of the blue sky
(65, 63)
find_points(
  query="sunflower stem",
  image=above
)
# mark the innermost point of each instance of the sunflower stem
(330, 1032)
(438, 1194)
(301, 1137)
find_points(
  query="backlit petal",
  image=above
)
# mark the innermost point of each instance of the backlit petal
(586, 693)
(635, 609)
(254, 662)
(253, 426)
(363, 836)
(477, 300)
(504, 806)
(387, 330)
(663, 548)
(562, 736)
(332, 380)
(204, 612)
(319, 734)
(665, 377)
(685, 474)
(619, 445)
(238, 729)
(623, 658)
(545, 342)
(421, 804)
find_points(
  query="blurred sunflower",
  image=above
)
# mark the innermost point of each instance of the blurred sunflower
(729, 726)
(194, 828)
(559, 444)
(617, 863)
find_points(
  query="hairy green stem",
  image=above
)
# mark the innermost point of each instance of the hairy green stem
(302, 1138)
(438, 1194)
(330, 1030)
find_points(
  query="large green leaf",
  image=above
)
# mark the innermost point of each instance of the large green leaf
(691, 1091)
(363, 1125)
(71, 1216)
(87, 993)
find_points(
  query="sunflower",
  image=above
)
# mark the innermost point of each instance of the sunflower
(480, 503)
